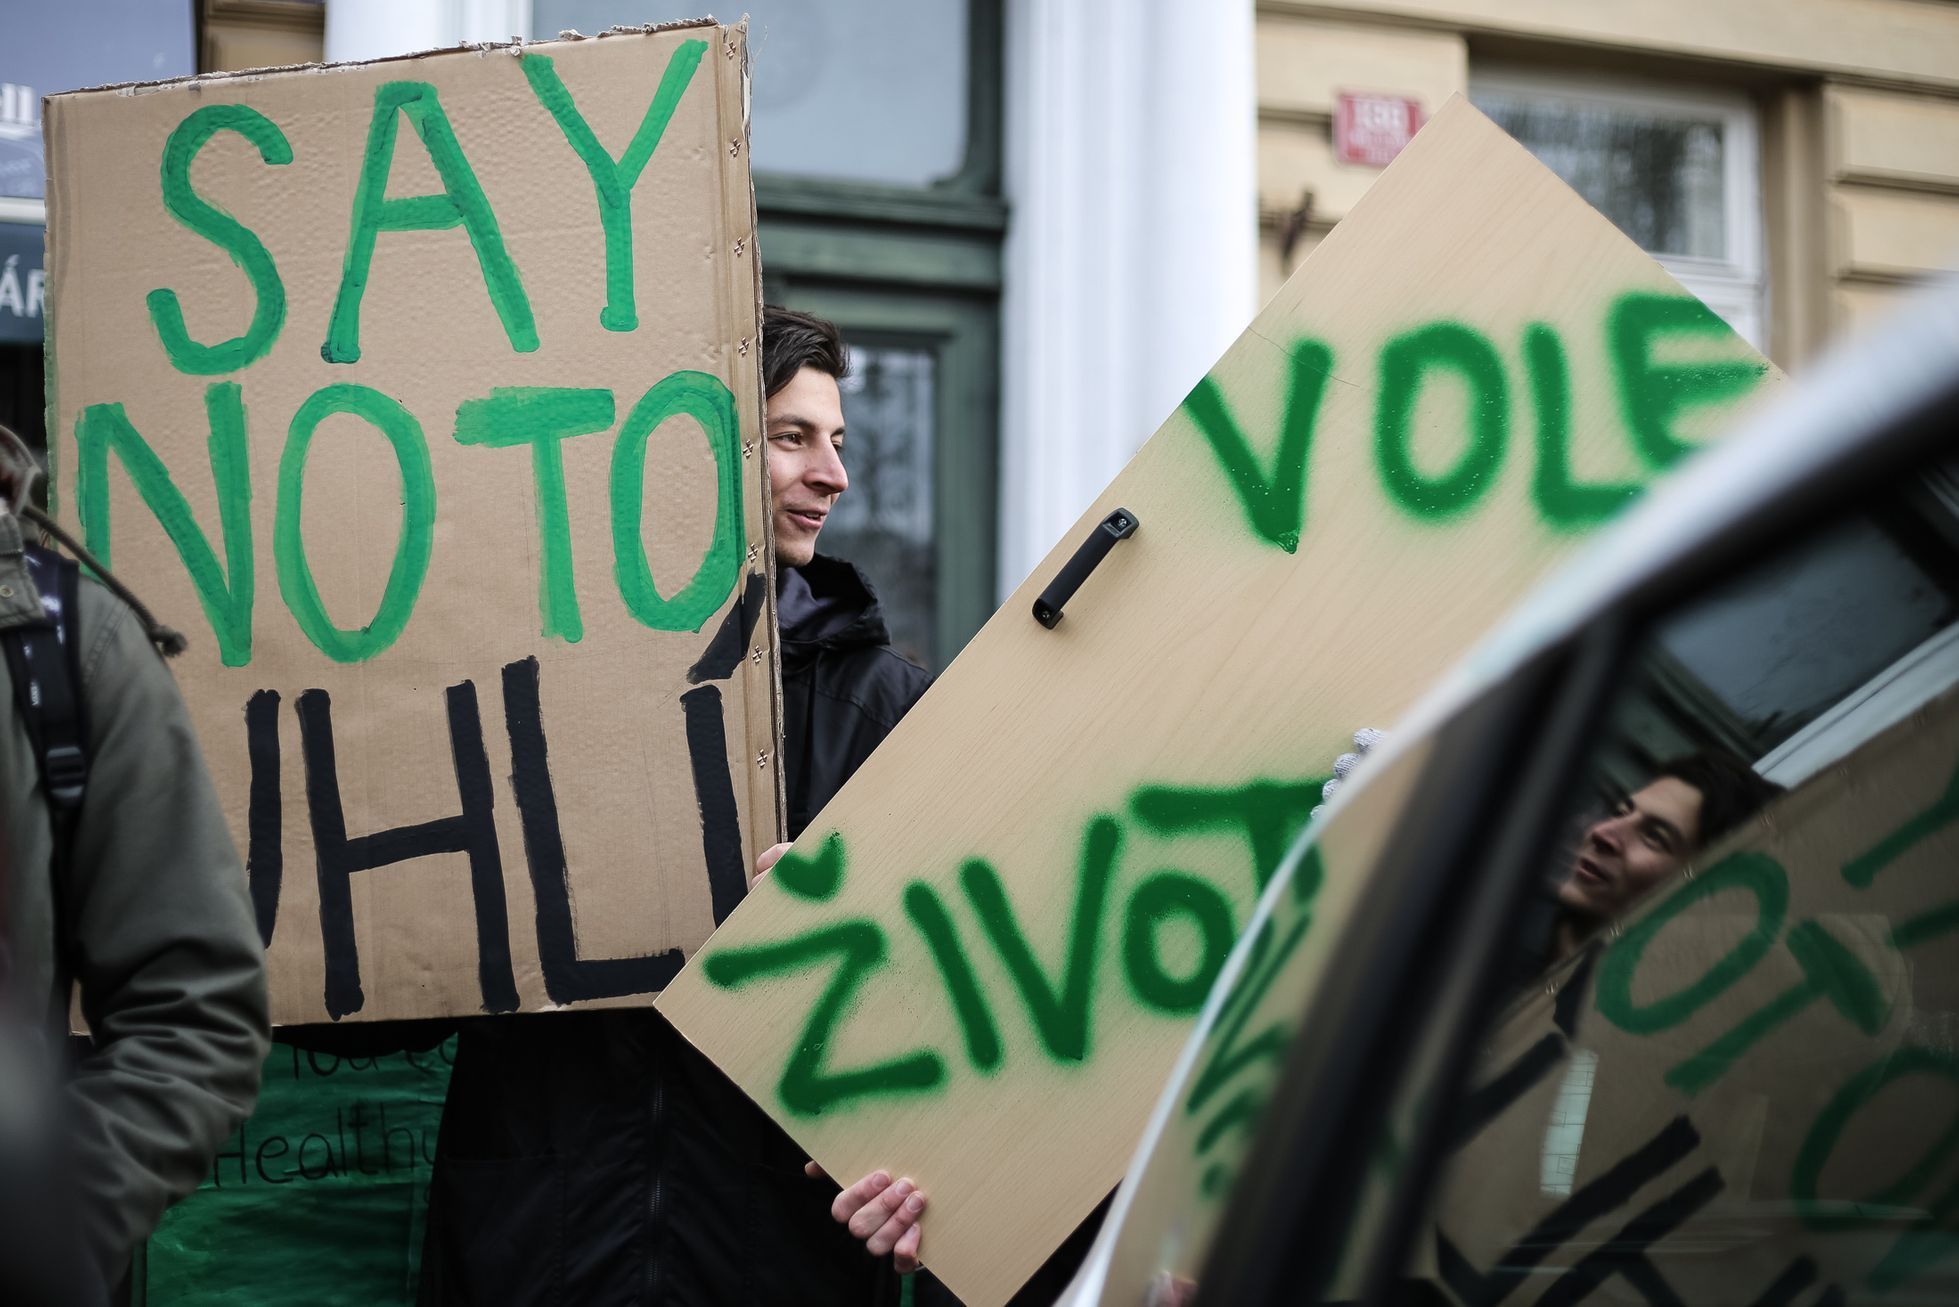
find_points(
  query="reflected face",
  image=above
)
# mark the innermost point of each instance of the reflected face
(804, 422)
(1646, 839)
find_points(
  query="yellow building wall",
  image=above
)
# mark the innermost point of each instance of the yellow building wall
(1859, 104)
(1893, 161)
(1303, 63)
(240, 34)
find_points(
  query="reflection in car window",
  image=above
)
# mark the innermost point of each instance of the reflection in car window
(1797, 639)
(1733, 1075)
(1807, 636)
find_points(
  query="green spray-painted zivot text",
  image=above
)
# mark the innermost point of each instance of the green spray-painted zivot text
(1057, 997)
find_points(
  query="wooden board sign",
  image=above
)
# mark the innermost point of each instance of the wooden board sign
(984, 955)
(424, 395)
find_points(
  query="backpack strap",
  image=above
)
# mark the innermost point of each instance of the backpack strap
(44, 654)
(45, 658)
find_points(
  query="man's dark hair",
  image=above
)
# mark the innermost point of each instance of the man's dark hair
(1731, 791)
(792, 341)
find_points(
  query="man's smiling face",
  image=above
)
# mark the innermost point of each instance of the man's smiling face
(804, 422)
(1648, 837)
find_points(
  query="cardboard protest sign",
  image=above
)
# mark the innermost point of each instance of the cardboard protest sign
(319, 1199)
(425, 393)
(985, 954)
(1760, 1063)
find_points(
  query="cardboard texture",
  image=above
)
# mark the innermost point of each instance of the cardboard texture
(984, 955)
(1763, 1054)
(424, 395)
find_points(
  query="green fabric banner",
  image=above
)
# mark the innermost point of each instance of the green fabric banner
(319, 1198)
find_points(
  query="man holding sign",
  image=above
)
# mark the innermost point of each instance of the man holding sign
(432, 385)
(844, 687)
(600, 1156)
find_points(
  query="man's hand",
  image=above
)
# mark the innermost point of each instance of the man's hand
(765, 860)
(882, 1214)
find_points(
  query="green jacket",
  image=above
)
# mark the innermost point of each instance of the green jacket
(157, 932)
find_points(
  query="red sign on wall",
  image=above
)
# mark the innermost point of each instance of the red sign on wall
(1371, 129)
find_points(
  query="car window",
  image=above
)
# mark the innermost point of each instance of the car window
(1726, 1063)
(1728, 1067)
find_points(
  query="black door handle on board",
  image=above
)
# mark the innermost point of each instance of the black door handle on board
(1119, 525)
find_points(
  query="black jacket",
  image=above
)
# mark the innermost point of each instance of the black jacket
(598, 1160)
(843, 688)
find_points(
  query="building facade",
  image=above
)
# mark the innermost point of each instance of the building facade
(1039, 220)
(1794, 162)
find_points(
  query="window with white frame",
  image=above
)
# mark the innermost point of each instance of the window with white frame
(1677, 171)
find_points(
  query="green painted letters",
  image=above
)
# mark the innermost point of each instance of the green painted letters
(1829, 971)
(1757, 873)
(1275, 504)
(612, 180)
(1920, 1247)
(1229, 1052)
(1060, 1012)
(1934, 923)
(1239, 1115)
(1806, 1181)
(1564, 502)
(412, 546)
(227, 603)
(214, 224)
(1406, 362)
(1863, 869)
(1161, 899)
(928, 914)
(704, 399)
(1268, 813)
(461, 204)
(1651, 395)
(807, 1087)
(543, 417)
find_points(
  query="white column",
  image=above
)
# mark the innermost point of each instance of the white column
(376, 29)
(1131, 259)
